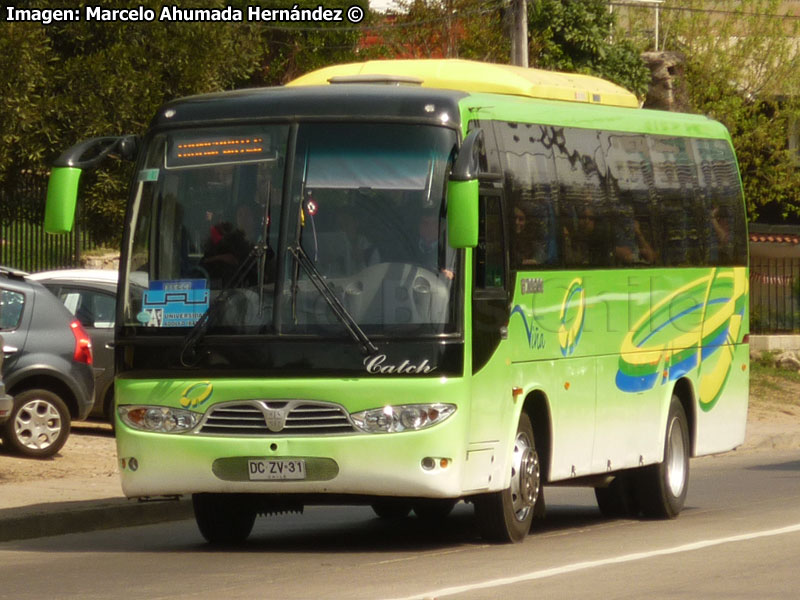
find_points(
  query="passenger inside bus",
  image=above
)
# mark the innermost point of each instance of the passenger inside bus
(630, 244)
(229, 244)
(720, 250)
(534, 239)
(599, 242)
(586, 242)
(362, 251)
(429, 249)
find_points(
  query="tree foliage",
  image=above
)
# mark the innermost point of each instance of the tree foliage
(65, 82)
(742, 69)
(25, 92)
(575, 37)
(445, 29)
(563, 35)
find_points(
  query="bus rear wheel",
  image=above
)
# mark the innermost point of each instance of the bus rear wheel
(223, 519)
(662, 488)
(506, 516)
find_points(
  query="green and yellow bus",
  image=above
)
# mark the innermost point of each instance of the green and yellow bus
(406, 284)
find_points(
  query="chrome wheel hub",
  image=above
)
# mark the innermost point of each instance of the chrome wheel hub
(37, 425)
(525, 477)
(676, 458)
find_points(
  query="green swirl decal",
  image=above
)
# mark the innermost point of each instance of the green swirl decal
(196, 393)
(705, 320)
(572, 317)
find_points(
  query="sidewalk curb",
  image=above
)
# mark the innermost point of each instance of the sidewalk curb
(82, 516)
(50, 519)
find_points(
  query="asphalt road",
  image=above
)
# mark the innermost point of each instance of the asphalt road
(739, 537)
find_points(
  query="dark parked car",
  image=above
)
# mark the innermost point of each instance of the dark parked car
(6, 401)
(91, 295)
(47, 366)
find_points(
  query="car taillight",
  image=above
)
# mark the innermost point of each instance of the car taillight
(83, 345)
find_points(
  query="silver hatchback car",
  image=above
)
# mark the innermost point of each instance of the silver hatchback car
(90, 295)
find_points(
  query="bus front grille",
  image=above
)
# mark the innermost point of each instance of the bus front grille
(276, 417)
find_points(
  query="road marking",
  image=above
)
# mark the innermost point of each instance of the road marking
(593, 564)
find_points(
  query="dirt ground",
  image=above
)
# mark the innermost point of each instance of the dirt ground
(774, 399)
(90, 450)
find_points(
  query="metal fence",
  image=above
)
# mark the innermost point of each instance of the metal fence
(774, 298)
(23, 243)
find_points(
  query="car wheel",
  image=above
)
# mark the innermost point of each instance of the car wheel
(108, 409)
(39, 424)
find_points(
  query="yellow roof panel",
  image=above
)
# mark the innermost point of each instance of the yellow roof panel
(473, 76)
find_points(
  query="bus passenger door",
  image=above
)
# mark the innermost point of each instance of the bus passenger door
(492, 401)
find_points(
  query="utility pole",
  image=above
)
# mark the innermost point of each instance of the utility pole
(519, 33)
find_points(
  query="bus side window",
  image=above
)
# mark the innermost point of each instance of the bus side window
(489, 255)
(724, 232)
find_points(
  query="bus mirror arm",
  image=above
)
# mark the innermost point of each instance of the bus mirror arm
(62, 187)
(468, 162)
(462, 193)
(90, 153)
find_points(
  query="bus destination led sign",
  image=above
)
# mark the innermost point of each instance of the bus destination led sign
(203, 151)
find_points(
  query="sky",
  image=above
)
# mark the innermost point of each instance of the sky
(380, 5)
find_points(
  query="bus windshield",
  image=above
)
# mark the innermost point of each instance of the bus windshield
(221, 216)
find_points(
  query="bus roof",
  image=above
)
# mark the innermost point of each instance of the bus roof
(473, 76)
(318, 102)
(587, 116)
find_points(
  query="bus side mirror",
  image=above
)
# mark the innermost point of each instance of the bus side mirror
(62, 198)
(62, 188)
(462, 213)
(462, 193)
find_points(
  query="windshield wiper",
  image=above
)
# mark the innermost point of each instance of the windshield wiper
(257, 255)
(301, 258)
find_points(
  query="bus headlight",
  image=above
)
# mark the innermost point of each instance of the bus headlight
(407, 417)
(161, 419)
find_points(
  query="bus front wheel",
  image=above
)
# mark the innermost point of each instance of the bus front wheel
(506, 516)
(663, 487)
(223, 519)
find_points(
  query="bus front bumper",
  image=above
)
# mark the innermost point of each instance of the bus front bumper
(424, 464)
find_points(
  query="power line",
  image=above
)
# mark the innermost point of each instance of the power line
(715, 11)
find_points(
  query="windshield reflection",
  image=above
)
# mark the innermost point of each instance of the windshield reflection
(365, 206)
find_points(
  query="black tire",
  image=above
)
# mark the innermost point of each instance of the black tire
(662, 488)
(39, 424)
(391, 509)
(506, 516)
(223, 519)
(618, 499)
(108, 409)
(434, 509)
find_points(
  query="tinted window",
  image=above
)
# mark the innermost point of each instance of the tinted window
(490, 262)
(11, 304)
(586, 198)
(531, 186)
(91, 308)
(677, 195)
(725, 233)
